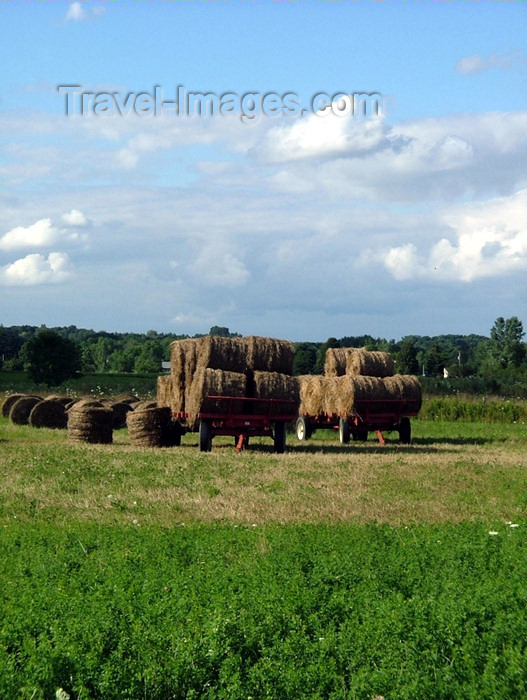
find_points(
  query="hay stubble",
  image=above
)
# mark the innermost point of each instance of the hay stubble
(49, 479)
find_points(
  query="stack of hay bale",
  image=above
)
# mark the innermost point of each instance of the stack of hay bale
(351, 375)
(250, 367)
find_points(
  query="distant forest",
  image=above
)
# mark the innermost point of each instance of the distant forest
(501, 355)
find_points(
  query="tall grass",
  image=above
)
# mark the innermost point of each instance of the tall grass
(454, 409)
(109, 385)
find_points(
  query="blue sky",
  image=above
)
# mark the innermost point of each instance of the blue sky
(291, 226)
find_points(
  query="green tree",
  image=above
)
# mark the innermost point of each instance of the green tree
(434, 361)
(321, 354)
(149, 358)
(223, 332)
(506, 347)
(305, 358)
(50, 358)
(101, 352)
(407, 358)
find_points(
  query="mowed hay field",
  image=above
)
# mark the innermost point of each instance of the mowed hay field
(331, 571)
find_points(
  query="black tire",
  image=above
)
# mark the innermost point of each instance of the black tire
(303, 428)
(279, 437)
(405, 431)
(205, 436)
(175, 433)
(344, 431)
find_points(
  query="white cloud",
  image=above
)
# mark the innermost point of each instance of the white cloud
(477, 63)
(36, 269)
(491, 241)
(75, 218)
(77, 13)
(315, 136)
(402, 261)
(43, 234)
(40, 234)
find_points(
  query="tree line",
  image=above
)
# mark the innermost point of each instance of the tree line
(52, 355)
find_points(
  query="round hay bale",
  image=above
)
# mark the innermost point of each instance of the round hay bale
(143, 405)
(151, 427)
(9, 402)
(92, 424)
(311, 394)
(335, 362)
(126, 398)
(171, 392)
(404, 387)
(120, 411)
(269, 354)
(184, 358)
(20, 410)
(213, 382)
(49, 413)
(215, 352)
(370, 363)
(342, 393)
(85, 402)
(274, 385)
(65, 400)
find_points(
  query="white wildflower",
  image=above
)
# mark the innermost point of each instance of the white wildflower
(493, 532)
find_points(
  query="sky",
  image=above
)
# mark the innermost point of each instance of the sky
(392, 204)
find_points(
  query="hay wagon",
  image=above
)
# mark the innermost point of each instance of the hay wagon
(369, 415)
(241, 418)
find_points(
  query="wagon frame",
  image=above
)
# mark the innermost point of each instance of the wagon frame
(368, 415)
(242, 418)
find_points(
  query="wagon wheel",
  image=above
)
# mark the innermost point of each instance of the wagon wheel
(279, 437)
(405, 431)
(205, 436)
(303, 428)
(176, 431)
(344, 431)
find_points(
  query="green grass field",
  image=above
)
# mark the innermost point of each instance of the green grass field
(330, 571)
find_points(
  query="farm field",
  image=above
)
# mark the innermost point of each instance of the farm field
(329, 571)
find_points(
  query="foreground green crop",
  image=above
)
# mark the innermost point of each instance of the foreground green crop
(282, 612)
(330, 572)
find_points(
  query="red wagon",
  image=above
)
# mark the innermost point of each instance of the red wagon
(242, 418)
(369, 415)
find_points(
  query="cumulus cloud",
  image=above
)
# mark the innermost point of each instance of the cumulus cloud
(40, 234)
(470, 65)
(75, 218)
(43, 233)
(490, 240)
(446, 158)
(36, 269)
(314, 137)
